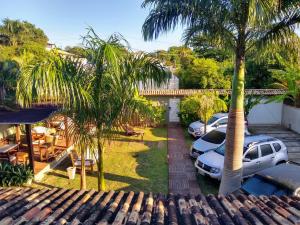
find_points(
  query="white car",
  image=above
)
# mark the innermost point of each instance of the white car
(260, 152)
(218, 120)
(209, 142)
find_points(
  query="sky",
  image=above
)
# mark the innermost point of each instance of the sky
(65, 21)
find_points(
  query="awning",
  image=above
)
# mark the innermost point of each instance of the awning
(26, 115)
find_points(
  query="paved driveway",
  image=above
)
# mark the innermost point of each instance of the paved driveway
(290, 139)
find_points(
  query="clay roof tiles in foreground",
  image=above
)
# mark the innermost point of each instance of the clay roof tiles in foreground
(74, 207)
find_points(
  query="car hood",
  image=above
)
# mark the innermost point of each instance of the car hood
(212, 159)
(204, 146)
(196, 125)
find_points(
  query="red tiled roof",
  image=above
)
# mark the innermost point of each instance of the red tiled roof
(185, 92)
(74, 207)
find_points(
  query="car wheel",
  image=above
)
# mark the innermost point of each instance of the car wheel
(280, 162)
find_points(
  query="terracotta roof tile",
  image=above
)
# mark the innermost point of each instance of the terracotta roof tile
(74, 207)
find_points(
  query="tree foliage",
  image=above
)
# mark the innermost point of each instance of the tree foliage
(200, 107)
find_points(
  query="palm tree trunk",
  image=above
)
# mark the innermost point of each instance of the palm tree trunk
(232, 172)
(100, 161)
(82, 175)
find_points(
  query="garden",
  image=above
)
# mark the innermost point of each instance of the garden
(131, 164)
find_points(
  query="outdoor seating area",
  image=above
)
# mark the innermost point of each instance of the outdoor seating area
(35, 142)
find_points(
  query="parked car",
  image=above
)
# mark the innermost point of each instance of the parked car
(218, 120)
(283, 179)
(210, 141)
(260, 152)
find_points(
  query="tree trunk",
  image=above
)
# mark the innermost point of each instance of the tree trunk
(232, 172)
(82, 172)
(205, 127)
(100, 174)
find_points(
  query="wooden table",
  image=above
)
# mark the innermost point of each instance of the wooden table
(9, 147)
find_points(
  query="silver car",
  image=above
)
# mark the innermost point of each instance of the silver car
(260, 152)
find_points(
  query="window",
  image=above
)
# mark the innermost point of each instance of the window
(277, 146)
(252, 153)
(223, 122)
(215, 137)
(266, 150)
(212, 120)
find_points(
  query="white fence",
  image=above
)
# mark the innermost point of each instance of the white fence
(291, 118)
(266, 114)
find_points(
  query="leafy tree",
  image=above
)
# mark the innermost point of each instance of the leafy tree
(239, 25)
(20, 32)
(76, 50)
(203, 73)
(205, 48)
(287, 78)
(9, 71)
(201, 106)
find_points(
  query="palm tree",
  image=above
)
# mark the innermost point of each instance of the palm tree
(208, 104)
(83, 138)
(239, 25)
(115, 74)
(103, 90)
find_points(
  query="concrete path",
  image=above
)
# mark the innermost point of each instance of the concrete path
(288, 137)
(182, 173)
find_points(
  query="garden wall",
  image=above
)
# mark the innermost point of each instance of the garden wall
(291, 118)
(266, 114)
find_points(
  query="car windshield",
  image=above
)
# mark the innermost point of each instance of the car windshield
(221, 149)
(215, 137)
(258, 185)
(212, 120)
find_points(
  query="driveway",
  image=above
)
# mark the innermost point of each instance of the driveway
(288, 137)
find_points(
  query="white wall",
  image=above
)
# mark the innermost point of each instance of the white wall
(266, 114)
(291, 118)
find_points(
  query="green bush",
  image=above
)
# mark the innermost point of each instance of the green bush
(200, 106)
(188, 111)
(14, 175)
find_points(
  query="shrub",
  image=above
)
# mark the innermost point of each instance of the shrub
(14, 175)
(200, 106)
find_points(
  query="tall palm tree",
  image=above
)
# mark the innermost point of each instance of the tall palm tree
(83, 139)
(115, 74)
(102, 90)
(239, 25)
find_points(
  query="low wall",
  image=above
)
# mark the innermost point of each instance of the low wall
(266, 114)
(291, 118)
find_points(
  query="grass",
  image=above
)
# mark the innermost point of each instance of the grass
(206, 184)
(130, 165)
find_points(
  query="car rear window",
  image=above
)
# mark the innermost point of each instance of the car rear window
(266, 150)
(215, 137)
(277, 147)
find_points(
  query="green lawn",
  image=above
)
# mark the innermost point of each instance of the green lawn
(206, 184)
(130, 165)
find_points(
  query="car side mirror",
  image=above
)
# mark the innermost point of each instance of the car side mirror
(216, 125)
(246, 160)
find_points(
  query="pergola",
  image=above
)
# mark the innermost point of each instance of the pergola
(27, 116)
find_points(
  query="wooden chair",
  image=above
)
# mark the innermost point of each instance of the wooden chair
(22, 158)
(45, 148)
(76, 161)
